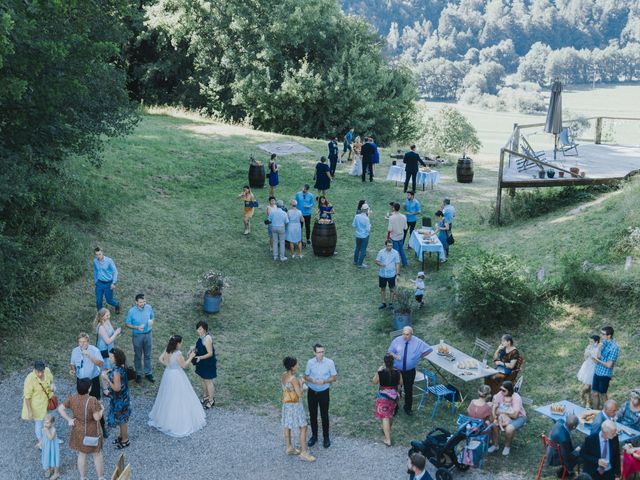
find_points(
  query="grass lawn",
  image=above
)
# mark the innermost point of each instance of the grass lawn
(168, 196)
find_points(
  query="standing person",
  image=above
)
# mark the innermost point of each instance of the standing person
(411, 160)
(407, 350)
(442, 230)
(389, 379)
(603, 372)
(50, 449)
(177, 411)
(376, 155)
(304, 202)
(319, 375)
(86, 422)
(120, 404)
(412, 207)
(601, 453)
(38, 388)
(140, 319)
(397, 230)
(270, 208)
(362, 225)
(322, 177)
(249, 200)
(105, 336)
(367, 151)
(278, 220)
(274, 177)
(389, 262)
(356, 168)
(587, 369)
(292, 410)
(206, 364)
(333, 155)
(294, 229)
(85, 363)
(348, 138)
(449, 212)
(419, 290)
(105, 277)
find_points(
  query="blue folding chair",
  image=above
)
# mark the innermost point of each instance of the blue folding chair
(566, 145)
(440, 391)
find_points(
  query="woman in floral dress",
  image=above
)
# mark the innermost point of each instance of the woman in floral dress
(293, 415)
(116, 379)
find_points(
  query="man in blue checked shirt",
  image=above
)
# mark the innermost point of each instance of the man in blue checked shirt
(105, 277)
(408, 350)
(604, 368)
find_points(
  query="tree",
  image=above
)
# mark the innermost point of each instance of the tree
(447, 131)
(532, 65)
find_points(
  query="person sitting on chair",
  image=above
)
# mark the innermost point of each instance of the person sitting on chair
(601, 453)
(561, 434)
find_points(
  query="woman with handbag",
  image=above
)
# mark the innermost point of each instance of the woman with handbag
(389, 380)
(86, 432)
(250, 204)
(442, 230)
(38, 397)
(293, 415)
(105, 339)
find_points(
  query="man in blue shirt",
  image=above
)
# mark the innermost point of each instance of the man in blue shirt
(362, 224)
(408, 350)
(279, 220)
(319, 374)
(348, 138)
(304, 202)
(412, 209)
(449, 212)
(604, 368)
(388, 260)
(140, 319)
(333, 155)
(105, 276)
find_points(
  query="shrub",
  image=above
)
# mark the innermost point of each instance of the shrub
(493, 291)
(403, 301)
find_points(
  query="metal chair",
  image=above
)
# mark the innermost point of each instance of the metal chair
(518, 384)
(547, 443)
(482, 347)
(440, 391)
(420, 383)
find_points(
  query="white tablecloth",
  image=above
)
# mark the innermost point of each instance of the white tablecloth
(420, 247)
(450, 364)
(397, 174)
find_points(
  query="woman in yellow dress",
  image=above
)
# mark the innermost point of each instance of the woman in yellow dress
(38, 389)
(249, 205)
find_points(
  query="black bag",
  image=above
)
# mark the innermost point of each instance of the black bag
(450, 239)
(131, 373)
(456, 393)
(104, 353)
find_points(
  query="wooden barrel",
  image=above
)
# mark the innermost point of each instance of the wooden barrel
(256, 176)
(464, 170)
(323, 239)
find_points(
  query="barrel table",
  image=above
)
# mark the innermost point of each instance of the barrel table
(464, 170)
(323, 239)
(256, 176)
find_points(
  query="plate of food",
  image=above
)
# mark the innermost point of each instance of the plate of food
(557, 409)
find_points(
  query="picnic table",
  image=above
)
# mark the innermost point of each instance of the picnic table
(397, 174)
(418, 244)
(449, 364)
(570, 408)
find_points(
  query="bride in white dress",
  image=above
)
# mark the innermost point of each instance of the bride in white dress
(177, 410)
(356, 168)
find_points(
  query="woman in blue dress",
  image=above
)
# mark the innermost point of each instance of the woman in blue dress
(322, 176)
(293, 234)
(206, 364)
(118, 383)
(274, 178)
(325, 209)
(442, 229)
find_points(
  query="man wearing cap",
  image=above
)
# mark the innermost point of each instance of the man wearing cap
(304, 203)
(86, 363)
(411, 160)
(105, 277)
(362, 225)
(279, 220)
(37, 389)
(419, 291)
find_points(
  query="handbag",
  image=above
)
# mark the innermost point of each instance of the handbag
(255, 204)
(53, 400)
(290, 396)
(86, 440)
(450, 239)
(131, 373)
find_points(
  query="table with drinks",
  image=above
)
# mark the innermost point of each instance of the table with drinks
(397, 174)
(424, 240)
(562, 409)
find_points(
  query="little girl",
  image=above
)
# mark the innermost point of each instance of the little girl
(50, 449)
(419, 291)
(503, 418)
(585, 374)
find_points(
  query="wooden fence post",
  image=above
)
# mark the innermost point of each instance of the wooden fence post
(598, 130)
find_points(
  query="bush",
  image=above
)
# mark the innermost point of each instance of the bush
(493, 291)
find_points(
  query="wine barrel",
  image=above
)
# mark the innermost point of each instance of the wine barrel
(323, 239)
(256, 176)
(464, 170)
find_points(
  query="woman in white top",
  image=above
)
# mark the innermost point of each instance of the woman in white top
(585, 374)
(356, 168)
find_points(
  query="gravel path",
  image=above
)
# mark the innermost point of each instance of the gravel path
(233, 445)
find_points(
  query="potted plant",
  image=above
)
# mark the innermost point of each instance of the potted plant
(551, 173)
(214, 283)
(540, 173)
(402, 308)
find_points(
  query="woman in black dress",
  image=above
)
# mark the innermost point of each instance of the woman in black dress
(322, 176)
(205, 362)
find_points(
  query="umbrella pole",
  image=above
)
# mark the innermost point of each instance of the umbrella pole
(555, 145)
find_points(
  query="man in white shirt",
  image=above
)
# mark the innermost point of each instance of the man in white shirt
(397, 226)
(86, 362)
(389, 262)
(279, 221)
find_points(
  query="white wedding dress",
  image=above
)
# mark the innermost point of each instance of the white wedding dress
(177, 410)
(356, 168)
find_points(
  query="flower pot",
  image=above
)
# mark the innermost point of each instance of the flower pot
(541, 174)
(401, 320)
(574, 171)
(211, 303)
(551, 173)
(561, 174)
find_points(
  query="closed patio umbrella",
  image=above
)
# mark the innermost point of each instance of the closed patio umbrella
(553, 123)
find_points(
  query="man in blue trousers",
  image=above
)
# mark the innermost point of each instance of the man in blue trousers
(105, 277)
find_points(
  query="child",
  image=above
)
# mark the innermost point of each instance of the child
(419, 291)
(503, 418)
(50, 449)
(585, 374)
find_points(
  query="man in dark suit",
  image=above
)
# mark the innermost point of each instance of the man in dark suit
(367, 151)
(608, 412)
(417, 467)
(561, 434)
(411, 160)
(601, 453)
(333, 155)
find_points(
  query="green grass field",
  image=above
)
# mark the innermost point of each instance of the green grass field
(168, 196)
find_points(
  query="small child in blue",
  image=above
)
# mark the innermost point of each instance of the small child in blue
(419, 291)
(50, 449)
